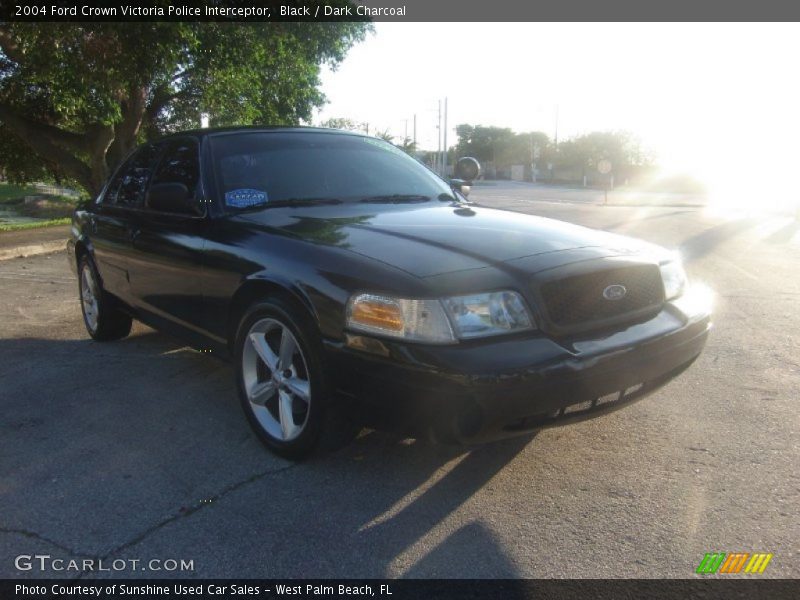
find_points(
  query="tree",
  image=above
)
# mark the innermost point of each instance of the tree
(408, 146)
(385, 136)
(621, 148)
(483, 143)
(342, 123)
(500, 146)
(76, 98)
(519, 149)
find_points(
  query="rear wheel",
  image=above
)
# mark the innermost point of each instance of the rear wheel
(282, 385)
(101, 316)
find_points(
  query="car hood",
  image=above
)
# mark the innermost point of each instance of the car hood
(427, 240)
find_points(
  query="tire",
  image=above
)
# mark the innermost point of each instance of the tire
(101, 315)
(291, 409)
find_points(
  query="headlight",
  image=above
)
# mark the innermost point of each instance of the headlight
(435, 321)
(479, 315)
(674, 278)
(419, 320)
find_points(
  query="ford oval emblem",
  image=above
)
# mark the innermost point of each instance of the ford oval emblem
(615, 292)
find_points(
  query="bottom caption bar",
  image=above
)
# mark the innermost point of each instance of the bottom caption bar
(427, 589)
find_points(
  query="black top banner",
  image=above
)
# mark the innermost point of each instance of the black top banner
(398, 10)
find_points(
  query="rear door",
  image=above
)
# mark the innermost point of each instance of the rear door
(166, 262)
(114, 222)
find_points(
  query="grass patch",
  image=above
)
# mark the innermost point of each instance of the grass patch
(12, 194)
(34, 225)
(47, 207)
(39, 206)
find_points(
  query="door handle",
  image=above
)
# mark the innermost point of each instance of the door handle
(133, 234)
(93, 225)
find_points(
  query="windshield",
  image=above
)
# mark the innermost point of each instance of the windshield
(256, 169)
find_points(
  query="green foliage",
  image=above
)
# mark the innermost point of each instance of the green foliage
(75, 98)
(503, 147)
(385, 136)
(342, 123)
(12, 194)
(408, 146)
(487, 144)
(19, 164)
(584, 152)
(47, 207)
(33, 225)
(499, 145)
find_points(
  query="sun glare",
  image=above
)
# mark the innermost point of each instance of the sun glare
(724, 114)
(748, 185)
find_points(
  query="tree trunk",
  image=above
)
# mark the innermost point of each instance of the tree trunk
(125, 132)
(63, 148)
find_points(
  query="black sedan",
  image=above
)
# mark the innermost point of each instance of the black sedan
(351, 286)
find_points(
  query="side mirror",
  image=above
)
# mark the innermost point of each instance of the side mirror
(460, 186)
(171, 197)
(468, 169)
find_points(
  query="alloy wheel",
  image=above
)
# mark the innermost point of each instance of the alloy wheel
(276, 379)
(89, 300)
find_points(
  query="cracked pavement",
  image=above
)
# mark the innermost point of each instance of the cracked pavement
(138, 449)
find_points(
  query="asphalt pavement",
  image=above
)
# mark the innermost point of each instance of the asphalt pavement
(137, 450)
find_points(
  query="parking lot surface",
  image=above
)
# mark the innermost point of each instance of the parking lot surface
(138, 450)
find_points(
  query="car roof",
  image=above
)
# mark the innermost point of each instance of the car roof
(212, 131)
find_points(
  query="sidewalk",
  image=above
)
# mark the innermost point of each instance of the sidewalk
(29, 242)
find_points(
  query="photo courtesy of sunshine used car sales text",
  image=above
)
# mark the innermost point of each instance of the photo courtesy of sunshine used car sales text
(123, 590)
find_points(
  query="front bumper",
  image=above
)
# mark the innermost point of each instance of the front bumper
(498, 387)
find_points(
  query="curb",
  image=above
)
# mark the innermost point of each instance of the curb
(32, 250)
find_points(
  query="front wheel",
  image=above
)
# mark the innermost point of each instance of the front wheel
(102, 318)
(283, 387)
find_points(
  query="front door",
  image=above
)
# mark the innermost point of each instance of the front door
(166, 263)
(114, 222)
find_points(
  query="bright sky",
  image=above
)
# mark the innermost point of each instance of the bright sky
(706, 98)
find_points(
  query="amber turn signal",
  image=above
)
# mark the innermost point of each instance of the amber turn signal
(377, 312)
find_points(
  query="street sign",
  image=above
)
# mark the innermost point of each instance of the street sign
(604, 167)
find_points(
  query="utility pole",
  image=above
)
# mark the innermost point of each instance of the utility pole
(533, 160)
(415, 131)
(439, 140)
(444, 155)
(555, 138)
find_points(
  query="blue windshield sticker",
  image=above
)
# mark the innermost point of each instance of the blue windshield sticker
(245, 198)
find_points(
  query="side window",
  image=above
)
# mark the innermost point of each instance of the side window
(180, 164)
(127, 187)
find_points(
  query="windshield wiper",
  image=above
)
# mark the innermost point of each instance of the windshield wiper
(291, 202)
(305, 201)
(397, 198)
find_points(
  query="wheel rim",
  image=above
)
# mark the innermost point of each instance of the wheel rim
(276, 379)
(89, 298)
